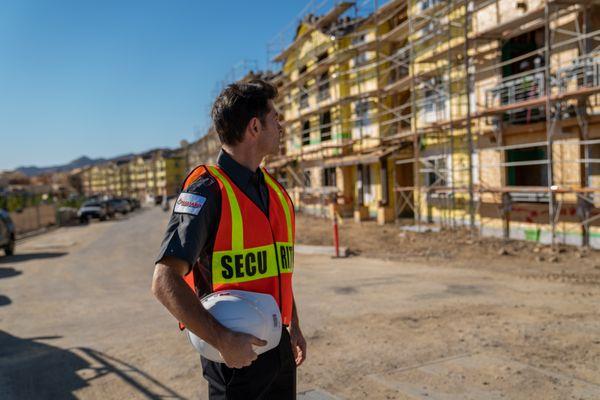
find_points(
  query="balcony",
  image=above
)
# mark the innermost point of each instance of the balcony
(432, 109)
(521, 98)
(522, 88)
(582, 75)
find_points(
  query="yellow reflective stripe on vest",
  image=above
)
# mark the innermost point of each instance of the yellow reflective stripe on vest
(237, 229)
(285, 256)
(284, 204)
(243, 265)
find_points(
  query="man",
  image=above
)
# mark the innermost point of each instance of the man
(223, 212)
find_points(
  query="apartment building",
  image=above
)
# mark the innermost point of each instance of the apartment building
(170, 169)
(477, 113)
(154, 173)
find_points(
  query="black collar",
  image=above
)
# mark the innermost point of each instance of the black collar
(239, 174)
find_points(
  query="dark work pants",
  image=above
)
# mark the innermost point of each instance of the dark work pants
(272, 376)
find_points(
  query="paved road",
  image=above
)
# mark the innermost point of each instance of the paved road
(77, 320)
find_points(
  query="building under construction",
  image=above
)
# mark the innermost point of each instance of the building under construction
(482, 114)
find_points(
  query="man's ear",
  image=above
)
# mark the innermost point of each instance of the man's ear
(254, 126)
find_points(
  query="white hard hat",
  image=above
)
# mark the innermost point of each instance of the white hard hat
(241, 311)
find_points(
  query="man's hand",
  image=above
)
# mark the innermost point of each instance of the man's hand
(298, 344)
(172, 291)
(236, 349)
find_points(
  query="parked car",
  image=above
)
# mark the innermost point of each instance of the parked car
(7, 233)
(124, 206)
(120, 205)
(110, 208)
(134, 203)
(92, 209)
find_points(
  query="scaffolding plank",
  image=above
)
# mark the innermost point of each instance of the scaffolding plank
(398, 85)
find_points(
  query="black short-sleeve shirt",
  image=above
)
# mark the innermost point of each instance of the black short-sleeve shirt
(191, 231)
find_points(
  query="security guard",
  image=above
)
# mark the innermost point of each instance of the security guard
(232, 227)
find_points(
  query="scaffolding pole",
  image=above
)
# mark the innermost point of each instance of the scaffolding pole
(467, 23)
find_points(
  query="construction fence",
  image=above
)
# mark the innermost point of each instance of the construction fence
(34, 218)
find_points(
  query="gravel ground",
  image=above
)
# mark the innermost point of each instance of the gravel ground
(413, 316)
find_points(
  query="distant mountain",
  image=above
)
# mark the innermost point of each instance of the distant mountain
(81, 162)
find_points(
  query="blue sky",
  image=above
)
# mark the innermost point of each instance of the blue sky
(103, 78)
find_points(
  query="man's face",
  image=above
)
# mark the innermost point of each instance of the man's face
(271, 131)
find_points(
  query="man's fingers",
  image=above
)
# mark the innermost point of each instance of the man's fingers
(301, 353)
(299, 356)
(297, 350)
(258, 342)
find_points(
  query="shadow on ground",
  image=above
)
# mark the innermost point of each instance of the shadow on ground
(33, 370)
(9, 272)
(29, 369)
(30, 256)
(5, 300)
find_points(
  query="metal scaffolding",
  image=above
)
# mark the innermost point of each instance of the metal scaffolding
(448, 92)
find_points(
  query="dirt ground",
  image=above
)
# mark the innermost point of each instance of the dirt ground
(457, 248)
(515, 320)
(415, 316)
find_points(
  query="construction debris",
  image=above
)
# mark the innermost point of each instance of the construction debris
(503, 252)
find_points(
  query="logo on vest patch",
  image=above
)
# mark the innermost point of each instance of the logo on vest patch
(188, 203)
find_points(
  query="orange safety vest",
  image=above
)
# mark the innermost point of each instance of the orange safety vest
(252, 252)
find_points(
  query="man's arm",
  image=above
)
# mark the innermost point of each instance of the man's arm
(177, 297)
(171, 290)
(297, 338)
(188, 232)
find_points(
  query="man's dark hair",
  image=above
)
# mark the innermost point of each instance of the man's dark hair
(237, 104)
